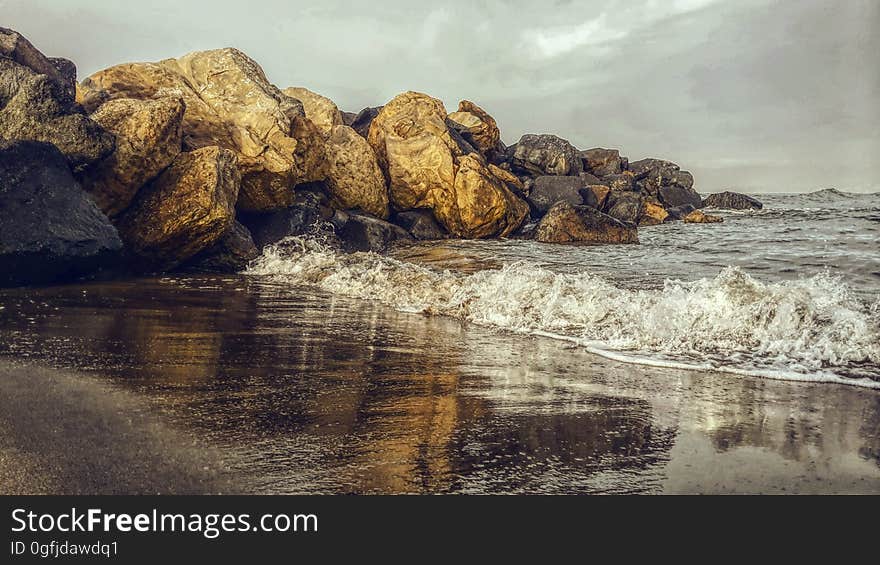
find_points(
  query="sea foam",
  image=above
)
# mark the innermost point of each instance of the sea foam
(812, 329)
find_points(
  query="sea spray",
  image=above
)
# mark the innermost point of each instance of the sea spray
(808, 329)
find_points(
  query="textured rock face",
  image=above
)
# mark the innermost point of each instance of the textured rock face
(17, 48)
(565, 223)
(229, 255)
(731, 201)
(229, 104)
(188, 208)
(51, 229)
(319, 109)
(548, 190)
(641, 168)
(628, 207)
(595, 195)
(654, 214)
(420, 224)
(363, 233)
(427, 168)
(363, 119)
(354, 178)
(37, 107)
(148, 137)
(546, 155)
(478, 127)
(699, 217)
(309, 211)
(673, 196)
(602, 162)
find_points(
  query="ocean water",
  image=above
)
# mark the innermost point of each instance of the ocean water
(788, 292)
(507, 366)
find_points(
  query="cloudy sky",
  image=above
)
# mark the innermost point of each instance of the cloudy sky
(760, 95)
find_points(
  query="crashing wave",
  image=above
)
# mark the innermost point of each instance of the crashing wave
(810, 329)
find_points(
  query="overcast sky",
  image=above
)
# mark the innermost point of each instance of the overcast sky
(759, 95)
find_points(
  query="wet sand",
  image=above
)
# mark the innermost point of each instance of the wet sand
(184, 385)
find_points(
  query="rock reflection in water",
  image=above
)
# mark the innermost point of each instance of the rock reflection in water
(306, 392)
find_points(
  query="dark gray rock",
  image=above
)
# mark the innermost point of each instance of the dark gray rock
(229, 255)
(679, 212)
(50, 229)
(731, 201)
(18, 49)
(365, 233)
(548, 190)
(602, 162)
(308, 214)
(565, 223)
(672, 196)
(421, 224)
(642, 168)
(622, 182)
(626, 206)
(545, 155)
(362, 121)
(595, 195)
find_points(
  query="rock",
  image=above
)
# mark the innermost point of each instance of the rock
(642, 168)
(673, 196)
(595, 195)
(567, 223)
(354, 179)
(602, 162)
(36, 107)
(319, 109)
(229, 255)
(17, 48)
(348, 118)
(478, 127)
(731, 201)
(654, 214)
(628, 207)
(307, 215)
(548, 190)
(420, 224)
(546, 155)
(699, 217)
(678, 212)
(659, 178)
(427, 168)
(512, 181)
(363, 233)
(51, 229)
(363, 120)
(188, 208)
(229, 104)
(590, 178)
(148, 137)
(625, 181)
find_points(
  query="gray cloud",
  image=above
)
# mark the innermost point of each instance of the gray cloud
(756, 94)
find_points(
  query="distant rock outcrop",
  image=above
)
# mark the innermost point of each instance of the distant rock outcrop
(731, 201)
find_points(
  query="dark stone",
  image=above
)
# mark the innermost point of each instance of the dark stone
(421, 224)
(565, 223)
(365, 233)
(229, 255)
(545, 155)
(602, 162)
(595, 195)
(731, 201)
(672, 196)
(17, 48)
(627, 207)
(462, 137)
(548, 190)
(309, 212)
(348, 118)
(590, 178)
(641, 168)
(50, 229)
(362, 121)
(622, 182)
(679, 212)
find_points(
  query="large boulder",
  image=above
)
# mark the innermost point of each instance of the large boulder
(186, 209)
(50, 229)
(17, 48)
(427, 168)
(229, 255)
(595, 195)
(644, 167)
(731, 201)
(673, 196)
(477, 127)
(148, 138)
(354, 179)
(308, 214)
(566, 223)
(628, 207)
(319, 109)
(623, 181)
(548, 190)
(546, 155)
(37, 107)
(602, 162)
(364, 233)
(420, 224)
(229, 104)
(654, 214)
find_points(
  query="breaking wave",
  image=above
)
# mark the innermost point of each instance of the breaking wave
(812, 329)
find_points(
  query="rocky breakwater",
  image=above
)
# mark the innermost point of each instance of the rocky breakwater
(198, 162)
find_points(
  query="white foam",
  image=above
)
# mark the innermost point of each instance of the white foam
(812, 329)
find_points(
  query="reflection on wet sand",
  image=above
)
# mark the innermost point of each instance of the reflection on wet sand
(306, 392)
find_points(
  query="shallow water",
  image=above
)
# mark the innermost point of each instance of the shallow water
(440, 385)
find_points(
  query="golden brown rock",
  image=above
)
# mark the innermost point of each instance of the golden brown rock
(566, 223)
(507, 176)
(595, 195)
(654, 214)
(354, 178)
(320, 109)
(148, 137)
(230, 104)
(699, 217)
(479, 124)
(188, 208)
(423, 164)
